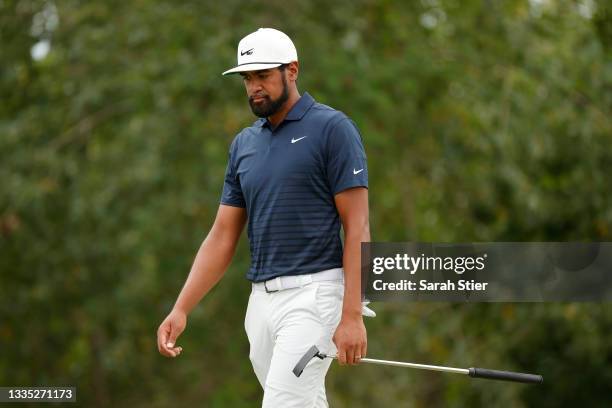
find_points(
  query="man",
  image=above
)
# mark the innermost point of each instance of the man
(296, 174)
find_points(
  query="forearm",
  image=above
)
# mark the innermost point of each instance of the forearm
(352, 268)
(211, 262)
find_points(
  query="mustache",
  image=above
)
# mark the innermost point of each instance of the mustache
(258, 96)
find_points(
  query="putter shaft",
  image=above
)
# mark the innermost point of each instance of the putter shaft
(472, 372)
(464, 371)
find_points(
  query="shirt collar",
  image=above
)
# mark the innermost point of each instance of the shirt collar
(300, 108)
(297, 112)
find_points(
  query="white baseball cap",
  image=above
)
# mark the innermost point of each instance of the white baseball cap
(265, 48)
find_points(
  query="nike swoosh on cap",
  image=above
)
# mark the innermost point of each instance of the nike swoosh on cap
(247, 52)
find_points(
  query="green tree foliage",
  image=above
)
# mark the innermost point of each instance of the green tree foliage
(483, 121)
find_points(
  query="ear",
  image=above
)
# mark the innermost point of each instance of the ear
(293, 70)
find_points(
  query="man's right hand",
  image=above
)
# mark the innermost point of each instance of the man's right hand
(172, 326)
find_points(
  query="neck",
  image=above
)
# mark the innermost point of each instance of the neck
(279, 116)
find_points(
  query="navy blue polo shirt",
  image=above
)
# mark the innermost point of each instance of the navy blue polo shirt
(286, 178)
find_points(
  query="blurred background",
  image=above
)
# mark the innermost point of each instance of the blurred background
(482, 121)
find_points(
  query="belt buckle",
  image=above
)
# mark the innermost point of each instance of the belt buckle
(267, 290)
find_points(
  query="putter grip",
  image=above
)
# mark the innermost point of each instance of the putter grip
(505, 375)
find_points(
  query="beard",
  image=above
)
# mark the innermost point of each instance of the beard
(269, 107)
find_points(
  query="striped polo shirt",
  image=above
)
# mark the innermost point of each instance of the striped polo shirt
(286, 178)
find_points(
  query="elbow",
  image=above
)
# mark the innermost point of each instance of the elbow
(358, 229)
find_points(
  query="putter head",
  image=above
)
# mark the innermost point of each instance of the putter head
(309, 355)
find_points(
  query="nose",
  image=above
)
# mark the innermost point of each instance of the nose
(253, 87)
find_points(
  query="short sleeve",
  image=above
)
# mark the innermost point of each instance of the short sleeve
(232, 192)
(346, 158)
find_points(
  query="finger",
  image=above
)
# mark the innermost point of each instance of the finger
(174, 351)
(364, 349)
(162, 337)
(357, 357)
(341, 356)
(174, 333)
(359, 354)
(171, 339)
(166, 348)
(352, 355)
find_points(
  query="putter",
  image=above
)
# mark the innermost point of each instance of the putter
(472, 372)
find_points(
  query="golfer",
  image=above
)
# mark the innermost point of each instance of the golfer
(294, 177)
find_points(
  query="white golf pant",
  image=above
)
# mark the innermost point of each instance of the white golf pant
(281, 327)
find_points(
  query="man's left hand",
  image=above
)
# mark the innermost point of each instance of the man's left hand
(351, 340)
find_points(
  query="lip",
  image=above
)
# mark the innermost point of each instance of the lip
(257, 99)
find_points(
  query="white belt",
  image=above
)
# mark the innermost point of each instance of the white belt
(297, 281)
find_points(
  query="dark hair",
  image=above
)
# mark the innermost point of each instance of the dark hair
(282, 67)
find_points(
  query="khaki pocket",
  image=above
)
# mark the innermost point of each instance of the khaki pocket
(328, 301)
